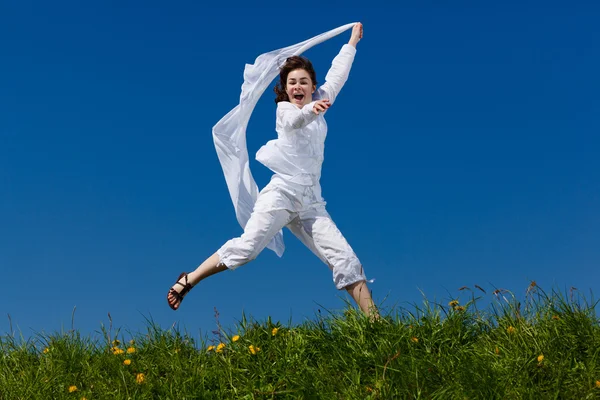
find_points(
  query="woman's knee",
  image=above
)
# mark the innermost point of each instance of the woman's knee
(237, 252)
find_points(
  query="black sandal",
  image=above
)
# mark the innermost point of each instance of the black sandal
(179, 295)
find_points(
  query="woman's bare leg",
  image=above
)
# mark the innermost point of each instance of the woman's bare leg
(259, 230)
(362, 296)
(209, 267)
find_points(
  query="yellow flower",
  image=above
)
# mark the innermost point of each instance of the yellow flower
(210, 348)
(459, 308)
(220, 347)
(555, 317)
(72, 389)
(140, 378)
(540, 358)
(598, 384)
(84, 398)
(253, 349)
(415, 339)
(117, 351)
(453, 303)
(510, 330)
(46, 350)
(116, 342)
(274, 331)
(497, 350)
(131, 350)
(127, 362)
(235, 338)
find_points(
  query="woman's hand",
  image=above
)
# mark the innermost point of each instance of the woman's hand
(357, 34)
(321, 106)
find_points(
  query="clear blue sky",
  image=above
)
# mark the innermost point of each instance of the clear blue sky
(463, 150)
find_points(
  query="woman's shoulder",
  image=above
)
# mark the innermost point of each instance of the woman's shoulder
(284, 104)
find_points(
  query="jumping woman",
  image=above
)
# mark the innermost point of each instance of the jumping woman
(292, 198)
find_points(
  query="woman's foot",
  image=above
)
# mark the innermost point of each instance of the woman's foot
(178, 291)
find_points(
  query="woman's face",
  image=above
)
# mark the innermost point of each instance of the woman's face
(299, 87)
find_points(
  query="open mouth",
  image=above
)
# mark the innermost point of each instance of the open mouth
(298, 97)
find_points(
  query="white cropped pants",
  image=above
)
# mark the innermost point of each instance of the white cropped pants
(312, 225)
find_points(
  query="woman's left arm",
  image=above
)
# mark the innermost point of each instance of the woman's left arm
(340, 67)
(357, 34)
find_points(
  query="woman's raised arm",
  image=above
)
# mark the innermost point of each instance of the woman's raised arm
(340, 67)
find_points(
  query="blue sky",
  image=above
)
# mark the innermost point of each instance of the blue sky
(463, 150)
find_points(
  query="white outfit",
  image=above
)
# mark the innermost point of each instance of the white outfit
(229, 134)
(293, 197)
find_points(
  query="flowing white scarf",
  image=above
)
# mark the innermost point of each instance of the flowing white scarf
(229, 133)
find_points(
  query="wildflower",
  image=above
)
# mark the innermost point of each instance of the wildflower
(540, 358)
(210, 348)
(510, 330)
(84, 398)
(127, 362)
(46, 350)
(531, 287)
(116, 342)
(555, 317)
(459, 308)
(497, 351)
(453, 303)
(415, 339)
(274, 331)
(117, 351)
(235, 338)
(253, 349)
(598, 384)
(72, 388)
(132, 342)
(220, 347)
(130, 350)
(140, 378)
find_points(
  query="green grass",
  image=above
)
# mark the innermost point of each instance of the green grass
(546, 346)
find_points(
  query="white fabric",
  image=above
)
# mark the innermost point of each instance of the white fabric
(229, 134)
(310, 223)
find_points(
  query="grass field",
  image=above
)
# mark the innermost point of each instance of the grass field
(540, 346)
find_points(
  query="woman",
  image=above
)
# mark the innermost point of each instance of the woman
(293, 196)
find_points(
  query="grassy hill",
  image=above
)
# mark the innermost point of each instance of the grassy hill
(546, 346)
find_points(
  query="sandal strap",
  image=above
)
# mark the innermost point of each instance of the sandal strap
(181, 294)
(175, 294)
(186, 287)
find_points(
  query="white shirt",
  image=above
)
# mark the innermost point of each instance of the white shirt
(298, 152)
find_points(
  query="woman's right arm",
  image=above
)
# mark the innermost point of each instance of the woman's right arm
(290, 117)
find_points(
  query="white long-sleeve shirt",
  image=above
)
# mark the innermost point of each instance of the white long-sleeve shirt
(297, 154)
